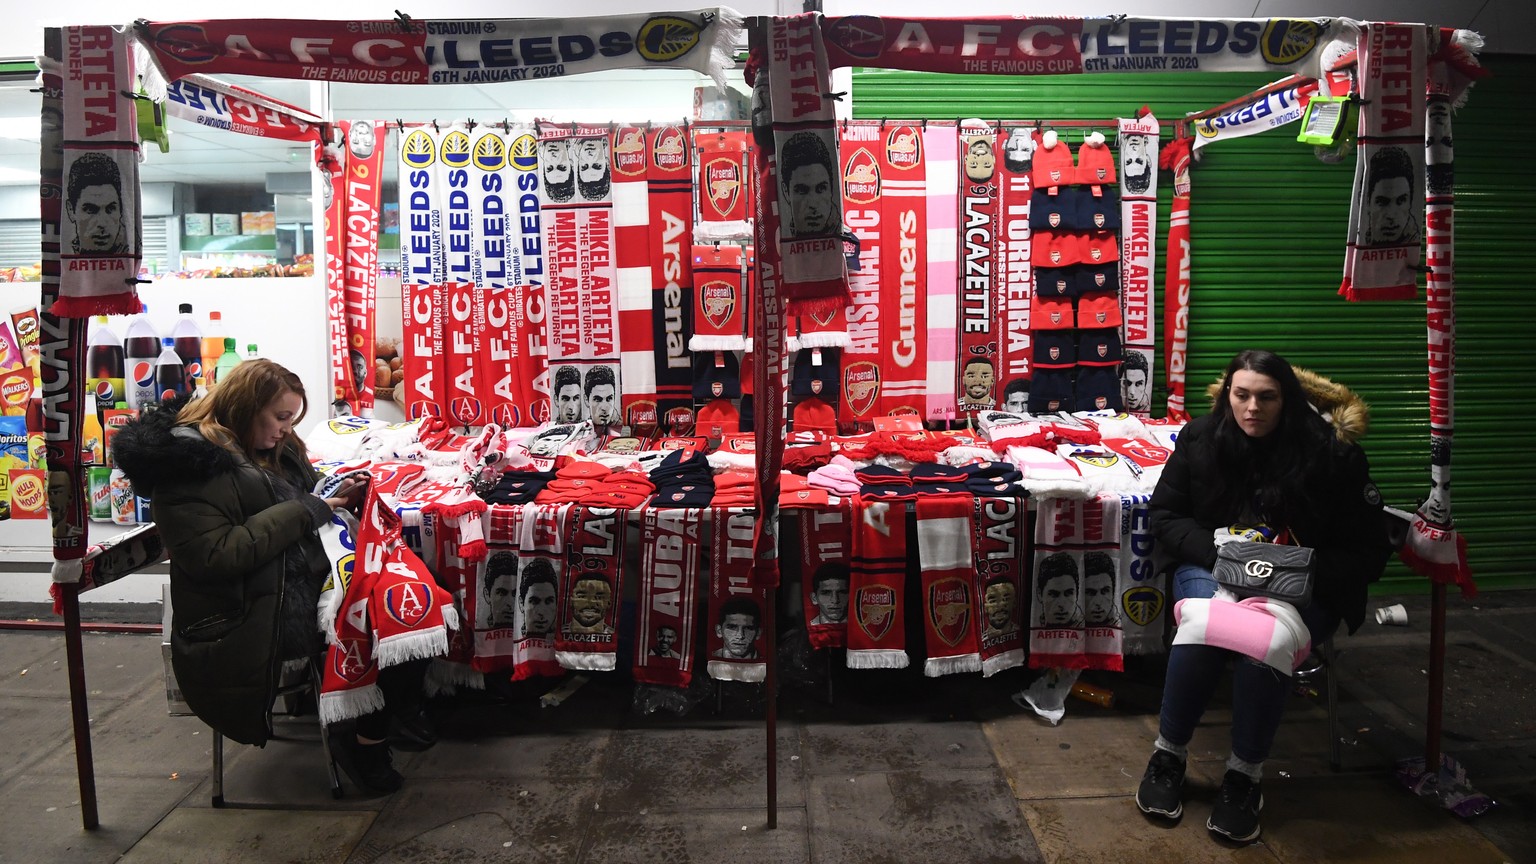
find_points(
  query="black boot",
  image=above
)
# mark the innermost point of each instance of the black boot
(413, 732)
(368, 766)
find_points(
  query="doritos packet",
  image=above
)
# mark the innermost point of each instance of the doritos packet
(13, 444)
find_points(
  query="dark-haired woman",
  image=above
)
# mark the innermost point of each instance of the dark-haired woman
(1264, 464)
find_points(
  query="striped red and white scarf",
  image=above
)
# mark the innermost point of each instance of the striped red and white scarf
(632, 262)
(948, 584)
(904, 261)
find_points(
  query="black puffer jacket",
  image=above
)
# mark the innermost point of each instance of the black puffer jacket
(1344, 526)
(232, 530)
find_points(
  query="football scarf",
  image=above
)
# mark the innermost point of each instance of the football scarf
(725, 185)
(770, 367)
(948, 583)
(101, 230)
(859, 146)
(217, 104)
(463, 326)
(1138, 145)
(1076, 543)
(671, 212)
(632, 263)
(1137, 400)
(719, 281)
(811, 221)
(825, 549)
(460, 577)
(940, 149)
(499, 342)
(877, 636)
(1142, 590)
(1382, 257)
(331, 162)
(665, 619)
(497, 390)
(904, 260)
(421, 208)
(114, 558)
(977, 357)
(460, 387)
(589, 614)
(1012, 289)
(540, 532)
(422, 360)
(1279, 104)
(999, 539)
(736, 643)
(526, 277)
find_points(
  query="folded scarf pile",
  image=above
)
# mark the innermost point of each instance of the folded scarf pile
(683, 479)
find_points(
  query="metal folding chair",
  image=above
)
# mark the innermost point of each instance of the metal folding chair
(290, 694)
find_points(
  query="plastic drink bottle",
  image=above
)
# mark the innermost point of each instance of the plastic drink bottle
(189, 346)
(250, 352)
(120, 494)
(227, 361)
(92, 440)
(104, 362)
(98, 484)
(140, 349)
(170, 374)
(198, 390)
(213, 345)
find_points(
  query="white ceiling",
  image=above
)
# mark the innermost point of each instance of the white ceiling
(206, 156)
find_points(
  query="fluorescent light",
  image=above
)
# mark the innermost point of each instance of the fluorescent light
(21, 128)
(14, 176)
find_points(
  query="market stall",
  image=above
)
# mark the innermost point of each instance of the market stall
(579, 318)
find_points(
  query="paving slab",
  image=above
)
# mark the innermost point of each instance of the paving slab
(843, 748)
(198, 836)
(572, 754)
(918, 816)
(1097, 753)
(1113, 831)
(117, 665)
(136, 738)
(41, 822)
(716, 768)
(30, 729)
(704, 836)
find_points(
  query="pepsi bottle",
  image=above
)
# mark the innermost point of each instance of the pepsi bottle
(104, 362)
(140, 348)
(189, 345)
(170, 374)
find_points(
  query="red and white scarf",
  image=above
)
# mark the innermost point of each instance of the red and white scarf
(671, 214)
(725, 185)
(1138, 147)
(949, 583)
(736, 643)
(593, 587)
(814, 270)
(665, 621)
(1014, 270)
(464, 327)
(999, 540)
(540, 535)
(1382, 258)
(978, 239)
(825, 549)
(422, 351)
(101, 232)
(877, 636)
(904, 260)
(940, 151)
(770, 367)
(719, 289)
(1176, 277)
(632, 262)
(859, 177)
(1066, 530)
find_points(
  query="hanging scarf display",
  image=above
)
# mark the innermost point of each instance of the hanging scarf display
(859, 146)
(364, 193)
(825, 549)
(101, 232)
(719, 289)
(464, 326)
(632, 263)
(811, 221)
(1136, 380)
(539, 532)
(461, 391)
(672, 316)
(216, 104)
(941, 152)
(725, 185)
(423, 269)
(1142, 591)
(460, 577)
(770, 367)
(1274, 106)
(1138, 148)
(527, 276)
(877, 637)
(589, 615)
(1014, 270)
(423, 349)
(976, 360)
(736, 644)
(665, 618)
(1382, 257)
(331, 162)
(1073, 538)
(948, 584)
(500, 339)
(472, 51)
(999, 539)
(904, 260)
(496, 388)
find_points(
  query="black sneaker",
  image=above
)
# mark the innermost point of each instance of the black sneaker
(1159, 793)
(1236, 814)
(413, 733)
(368, 766)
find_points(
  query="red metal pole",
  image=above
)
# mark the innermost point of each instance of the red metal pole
(74, 649)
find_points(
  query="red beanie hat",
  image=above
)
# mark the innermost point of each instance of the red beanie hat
(814, 414)
(1095, 164)
(1053, 163)
(718, 419)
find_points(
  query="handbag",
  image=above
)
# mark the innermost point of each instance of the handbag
(1266, 570)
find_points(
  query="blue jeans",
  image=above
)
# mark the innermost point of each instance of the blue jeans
(1258, 690)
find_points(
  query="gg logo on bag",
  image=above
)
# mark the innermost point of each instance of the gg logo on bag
(1258, 569)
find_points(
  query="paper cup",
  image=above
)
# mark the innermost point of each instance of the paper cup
(1394, 615)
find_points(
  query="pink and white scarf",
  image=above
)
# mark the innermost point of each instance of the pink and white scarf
(942, 150)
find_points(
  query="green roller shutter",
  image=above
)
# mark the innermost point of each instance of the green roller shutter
(1268, 224)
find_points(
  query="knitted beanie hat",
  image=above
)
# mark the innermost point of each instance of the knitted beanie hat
(1098, 388)
(1051, 390)
(718, 419)
(1055, 349)
(1099, 278)
(1095, 164)
(813, 414)
(1050, 313)
(716, 375)
(1099, 247)
(1054, 249)
(1099, 309)
(1099, 347)
(1052, 165)
(1098, 212)
(1059, 212)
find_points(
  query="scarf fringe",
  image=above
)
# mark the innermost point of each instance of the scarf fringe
(415, 645)
(936, 666)
(998, 662)
(152, 78)
(746, 673)
(444, 677)
(821, 339)
(716, 343)
(722, 54)
(1057, 488)
(347, 704)
(1039, 660)
(1349, 292)
(705, 233)
(107, 304)
(593, 662)
(875, 659)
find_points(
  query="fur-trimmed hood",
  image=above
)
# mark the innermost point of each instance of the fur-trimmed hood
(1349, 414)
(152, 448)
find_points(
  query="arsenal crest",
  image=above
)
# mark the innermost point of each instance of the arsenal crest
(874, 610)
(722, 184)
(861, 177)
(904, 147)
(860, 35)
(670, 152)
(349, 654)
(949, 609)
(1055, 219)
(718, 301)
(408, 602)
(861, 386)
(629, 151)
